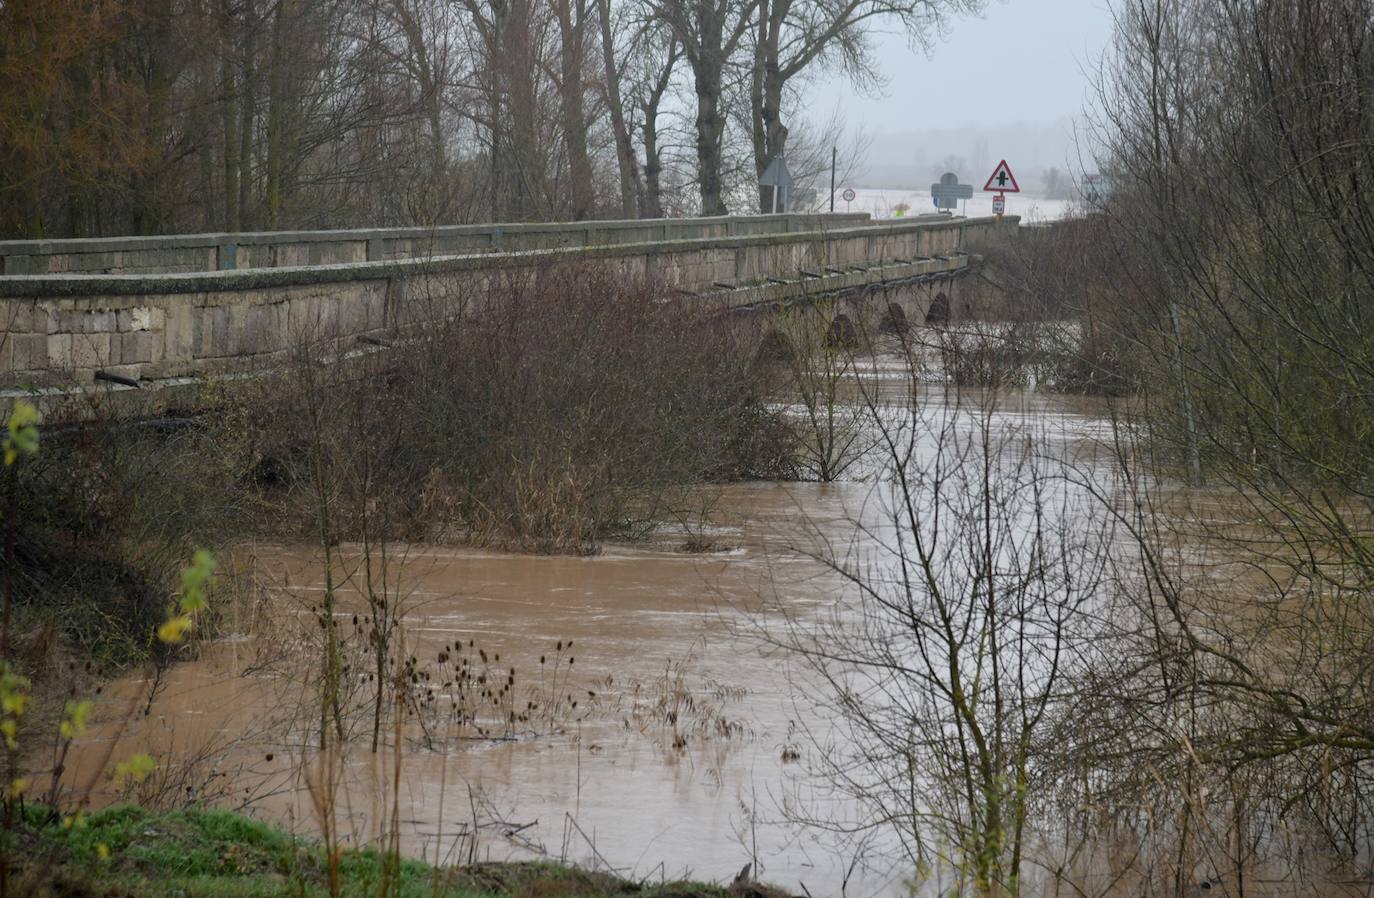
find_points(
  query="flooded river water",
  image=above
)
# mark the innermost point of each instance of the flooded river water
(679, 760)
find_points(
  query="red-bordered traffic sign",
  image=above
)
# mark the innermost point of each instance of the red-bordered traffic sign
(848, 195)
(1002, 180)
(999, 205)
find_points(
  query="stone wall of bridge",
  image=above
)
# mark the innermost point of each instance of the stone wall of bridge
(283, 249)
(62, 330)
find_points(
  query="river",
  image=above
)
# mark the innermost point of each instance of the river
(683, 752)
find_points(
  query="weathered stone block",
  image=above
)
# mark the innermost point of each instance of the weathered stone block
(219, 342)
(86, 321)
(200, 326)
(17, 317)
(178, 334)
(90, 350)
(139, 318)
(134, 348)
(37, 356)
(14, 352)
(373, 303)
(59, 352)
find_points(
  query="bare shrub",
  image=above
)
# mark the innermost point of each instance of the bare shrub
(817, 346)
(104, 519)
(560, 406)
(566, 404)
(959, 609)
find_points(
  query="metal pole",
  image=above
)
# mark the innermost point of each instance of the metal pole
(834, 153)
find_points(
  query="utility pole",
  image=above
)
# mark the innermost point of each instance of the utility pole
(834, 153)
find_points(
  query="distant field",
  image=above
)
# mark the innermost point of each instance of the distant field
(880, 202)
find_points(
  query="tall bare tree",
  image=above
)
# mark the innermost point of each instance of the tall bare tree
(710, 32)
(792, 37)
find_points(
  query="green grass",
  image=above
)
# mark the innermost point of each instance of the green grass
(206, 853)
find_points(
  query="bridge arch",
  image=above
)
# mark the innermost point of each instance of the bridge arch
(842, 333)
(894, 320)
(939, 312)
(775, 347)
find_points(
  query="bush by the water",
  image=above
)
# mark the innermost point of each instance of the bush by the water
(553, 410)
(101, 522)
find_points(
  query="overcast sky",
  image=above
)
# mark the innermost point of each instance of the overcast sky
(1017, 77)
(1021, 60)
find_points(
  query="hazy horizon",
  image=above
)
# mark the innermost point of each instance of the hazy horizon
(985, 92)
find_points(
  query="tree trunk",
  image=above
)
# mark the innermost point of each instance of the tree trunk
(756, 132)
(247, 110)
(516, 67)
(710, 129)
(572, 23)
(159, 75)
(765, 94)
(276, 116)
(653, 162)
(631, 191)
(653, 166)
(203, 121)
(423, 69)
(230, 128)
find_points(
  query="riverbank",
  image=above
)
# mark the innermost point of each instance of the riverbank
(127, 850)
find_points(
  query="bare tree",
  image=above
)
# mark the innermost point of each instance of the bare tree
(790, 37)
(960, 610)
(631, 187)
(710, 32)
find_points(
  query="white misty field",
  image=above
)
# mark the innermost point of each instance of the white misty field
(880, 202)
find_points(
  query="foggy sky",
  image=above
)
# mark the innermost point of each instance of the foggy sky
(1008, 84)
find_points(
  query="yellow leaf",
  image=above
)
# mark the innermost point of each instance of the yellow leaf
(14, 703)
(136, 767)
(174, 630)
(74, 722)
(21, 432)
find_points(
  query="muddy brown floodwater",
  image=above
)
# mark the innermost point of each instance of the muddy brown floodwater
(604, 787)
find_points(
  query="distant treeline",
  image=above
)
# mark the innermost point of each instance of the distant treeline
(155, 116)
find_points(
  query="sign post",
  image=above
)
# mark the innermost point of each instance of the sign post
(1003, 182)
(779, 179)
(948, 192)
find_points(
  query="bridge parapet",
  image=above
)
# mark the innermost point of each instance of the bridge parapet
(283, 249)
(62, 329)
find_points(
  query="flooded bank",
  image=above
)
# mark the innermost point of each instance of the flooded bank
(685, 753)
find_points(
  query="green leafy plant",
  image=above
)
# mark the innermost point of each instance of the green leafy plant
(21, 441)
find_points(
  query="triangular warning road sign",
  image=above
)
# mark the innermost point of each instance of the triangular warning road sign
(1002, 180)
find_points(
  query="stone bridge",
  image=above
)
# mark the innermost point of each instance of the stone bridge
(146, 312)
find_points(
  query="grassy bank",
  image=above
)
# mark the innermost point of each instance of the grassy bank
(188, 854)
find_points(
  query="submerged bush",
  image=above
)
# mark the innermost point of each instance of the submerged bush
(104, 519)
(556, 408)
